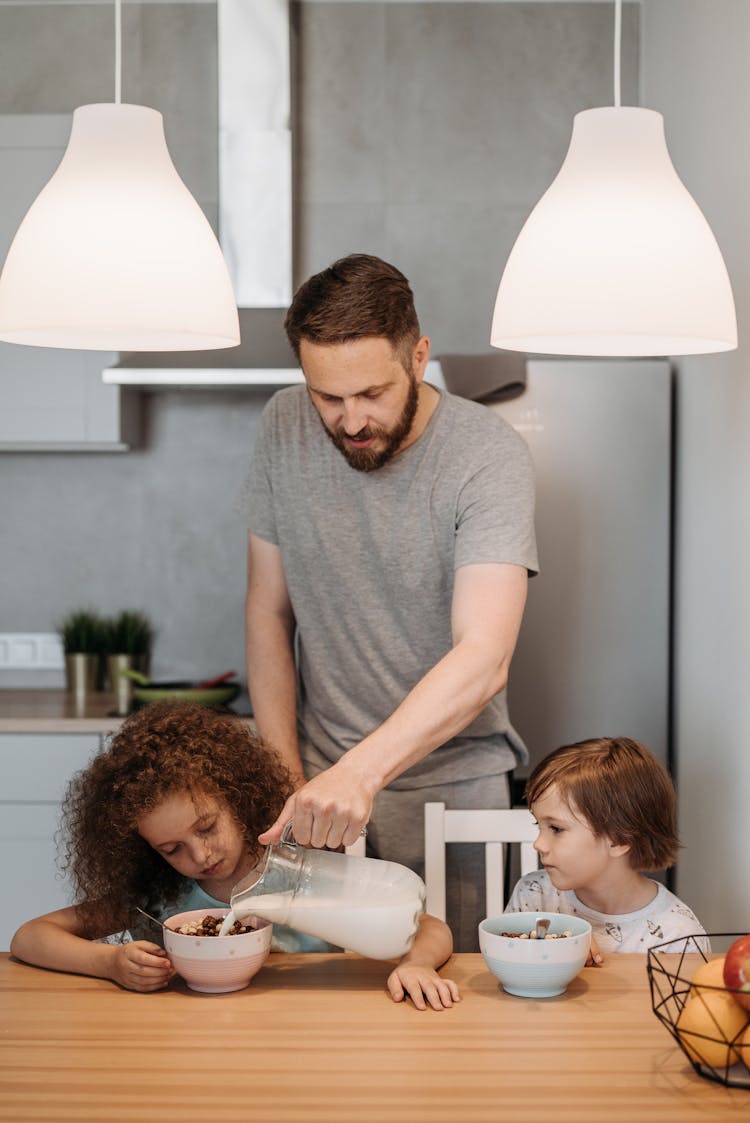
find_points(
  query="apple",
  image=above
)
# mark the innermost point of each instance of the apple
(737, 970)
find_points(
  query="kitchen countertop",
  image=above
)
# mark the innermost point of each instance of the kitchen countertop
(56, 711)
(316, 1039)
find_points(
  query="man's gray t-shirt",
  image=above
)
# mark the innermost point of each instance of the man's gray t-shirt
(369, 559)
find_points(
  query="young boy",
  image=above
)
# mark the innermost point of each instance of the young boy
(606, 812)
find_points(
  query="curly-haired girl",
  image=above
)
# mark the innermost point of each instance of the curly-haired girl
(166, 818)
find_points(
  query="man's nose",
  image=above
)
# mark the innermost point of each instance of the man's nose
(354, 418)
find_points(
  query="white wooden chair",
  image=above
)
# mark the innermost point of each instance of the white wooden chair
(494, 827)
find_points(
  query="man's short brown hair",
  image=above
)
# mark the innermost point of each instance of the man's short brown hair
(621, 790)
(358, 296)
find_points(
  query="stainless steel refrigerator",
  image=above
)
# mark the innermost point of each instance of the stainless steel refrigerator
(593, 657)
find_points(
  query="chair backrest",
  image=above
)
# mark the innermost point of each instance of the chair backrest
(496, 828)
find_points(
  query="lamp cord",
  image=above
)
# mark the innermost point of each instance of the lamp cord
(118, 51)
(618, 41)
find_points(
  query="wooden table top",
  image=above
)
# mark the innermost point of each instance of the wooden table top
(316, 1039)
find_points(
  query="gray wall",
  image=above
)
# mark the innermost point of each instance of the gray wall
(154, 528)
(56, 56)
(424, 132)
(694, 64)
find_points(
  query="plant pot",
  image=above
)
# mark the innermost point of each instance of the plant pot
(81, 670)
(122, 687)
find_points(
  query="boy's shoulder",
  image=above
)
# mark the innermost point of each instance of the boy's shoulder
(667, 903)
(665, 918)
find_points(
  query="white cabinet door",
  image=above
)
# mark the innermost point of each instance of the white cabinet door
(34, 772)
(50, 398)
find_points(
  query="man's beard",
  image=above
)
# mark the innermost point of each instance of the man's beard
(369, 459)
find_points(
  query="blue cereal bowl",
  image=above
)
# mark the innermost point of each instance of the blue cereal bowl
(534, 968)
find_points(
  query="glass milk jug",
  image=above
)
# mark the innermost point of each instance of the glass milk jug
(361, 904)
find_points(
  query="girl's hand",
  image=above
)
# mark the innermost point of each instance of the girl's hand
(141, 966)
(419, 983)
(595, 958)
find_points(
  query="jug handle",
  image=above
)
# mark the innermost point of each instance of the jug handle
(286, 835)
(288, 838)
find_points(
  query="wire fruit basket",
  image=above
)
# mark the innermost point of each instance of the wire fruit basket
(715, 1033)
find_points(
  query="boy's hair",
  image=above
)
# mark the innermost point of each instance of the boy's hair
(622, 791)
(164, 748)
(359, 296)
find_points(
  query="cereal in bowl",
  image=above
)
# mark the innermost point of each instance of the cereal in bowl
(533, 936)
(210, 926)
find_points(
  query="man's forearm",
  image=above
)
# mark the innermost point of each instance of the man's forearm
(487, 608)
(486, 614)
(332, 807)
(272, 683)
(445, 701)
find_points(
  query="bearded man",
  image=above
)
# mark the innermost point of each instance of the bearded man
(391, 535)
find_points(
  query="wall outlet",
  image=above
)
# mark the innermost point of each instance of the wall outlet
(31, 651)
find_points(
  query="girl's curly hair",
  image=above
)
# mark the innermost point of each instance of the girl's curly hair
(165, 747)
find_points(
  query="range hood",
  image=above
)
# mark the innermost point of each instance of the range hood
(225, 378)
(255, 206)
(214, 378)
(255, 150)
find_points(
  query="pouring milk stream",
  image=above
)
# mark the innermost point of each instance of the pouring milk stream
(363, 904)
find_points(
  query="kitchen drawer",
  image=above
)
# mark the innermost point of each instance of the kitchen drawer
(32, 883)
(34, 772)
(36, 767)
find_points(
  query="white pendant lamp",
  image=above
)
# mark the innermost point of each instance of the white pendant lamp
(115, 254)
(616, 258)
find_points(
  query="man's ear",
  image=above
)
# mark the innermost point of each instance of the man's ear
(420, 357)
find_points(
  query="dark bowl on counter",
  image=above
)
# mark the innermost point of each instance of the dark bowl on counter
(220, 695)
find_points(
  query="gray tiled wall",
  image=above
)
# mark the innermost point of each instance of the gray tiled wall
(424, 132)
(54, 57)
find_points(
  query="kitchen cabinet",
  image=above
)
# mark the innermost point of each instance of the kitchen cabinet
(34, 772)
(51, 399)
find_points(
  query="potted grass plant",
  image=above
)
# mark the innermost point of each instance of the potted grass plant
(82, 637)
(127, 643)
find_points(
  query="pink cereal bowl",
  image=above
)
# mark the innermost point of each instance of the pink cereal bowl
(216, 964)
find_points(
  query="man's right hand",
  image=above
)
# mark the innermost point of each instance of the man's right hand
(330, 810)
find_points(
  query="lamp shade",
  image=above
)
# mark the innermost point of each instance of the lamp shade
(115, 254)
(616, 258)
